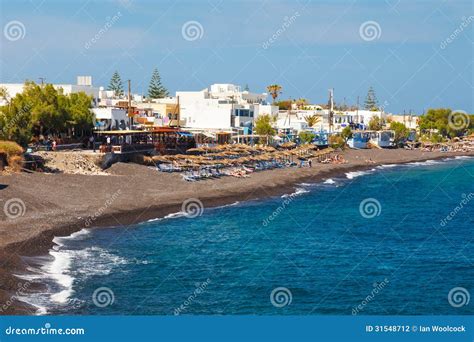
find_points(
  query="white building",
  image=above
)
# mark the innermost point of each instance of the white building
(110, 118)
(84, 84)
(294, 120)
(222, 107)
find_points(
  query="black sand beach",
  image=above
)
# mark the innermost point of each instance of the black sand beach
(60, 204)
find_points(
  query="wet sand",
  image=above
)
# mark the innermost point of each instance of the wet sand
(60, 204)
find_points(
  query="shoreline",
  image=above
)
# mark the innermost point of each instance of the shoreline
(64, 223)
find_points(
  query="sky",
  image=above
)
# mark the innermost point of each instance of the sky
(415, 54)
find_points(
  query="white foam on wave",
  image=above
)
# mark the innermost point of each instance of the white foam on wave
(355, 174)
(387, 166)
(329, 181)
(425, 163)
(173, 215)
(182, 213)
(60, 268)
(79, 235)
(298, 191)
(169, 216)
(464, 157)
(227, 205)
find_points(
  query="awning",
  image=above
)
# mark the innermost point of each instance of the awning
(185, 134)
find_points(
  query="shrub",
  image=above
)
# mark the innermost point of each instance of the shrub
(306, 137)
(11, 148)
(336, 141)
(15, 163)
(14, 154)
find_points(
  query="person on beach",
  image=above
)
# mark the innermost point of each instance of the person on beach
(310, 163)
(92, 142)
(54, 145)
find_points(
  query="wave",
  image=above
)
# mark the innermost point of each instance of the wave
(59, 269)
(227, 205)
(425, 163)
(169, 216)
(387, 166)
(329, 181)
(62, 240)
(354, 174)
(298, 191)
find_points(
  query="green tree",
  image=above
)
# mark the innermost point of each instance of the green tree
(43, 110)
(264, 125)
(371, 102)
(306, 137)
(375, 123)
(116, 85)
(445, 122)
(284, 104)
(346, 133)
(79, 108)
(48, 108)
(156, 90)
(4, 94)
(274, 90)
(401, 132)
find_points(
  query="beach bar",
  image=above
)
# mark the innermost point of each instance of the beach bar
(165, 140)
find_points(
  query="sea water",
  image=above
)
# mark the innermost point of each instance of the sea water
(391, 240)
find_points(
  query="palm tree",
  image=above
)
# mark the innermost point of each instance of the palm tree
(300, 103)
(312, 120)
(274, 90)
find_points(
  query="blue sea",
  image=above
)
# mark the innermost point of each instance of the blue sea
(394, 240)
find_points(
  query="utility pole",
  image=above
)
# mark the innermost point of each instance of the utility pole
(130, 104)
(331, 109)
(42, 79)
(357, 111)
(179, 110)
